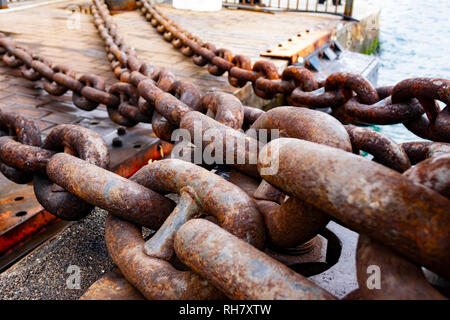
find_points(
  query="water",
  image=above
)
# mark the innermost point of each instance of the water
(414, 41)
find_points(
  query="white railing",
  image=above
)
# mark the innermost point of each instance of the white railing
(338, 7)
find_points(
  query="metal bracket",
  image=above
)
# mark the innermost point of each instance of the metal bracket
(329, 51)
(298, 47)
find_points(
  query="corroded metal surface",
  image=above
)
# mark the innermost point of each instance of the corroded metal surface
(109, 191)
(225, 108)
(241, 149)
(409, 218)
(237, 268)
(154, 278)
(420, 150)
(83, 143)
(302, 123)
(384, 149)
(233, 208)
(317, 178)
(23, 157)
(436, 125)
(27, 132)
(399, 278)
(112, 286)
(292, 222)
(433, 173)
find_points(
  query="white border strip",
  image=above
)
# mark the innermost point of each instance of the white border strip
(30, 6)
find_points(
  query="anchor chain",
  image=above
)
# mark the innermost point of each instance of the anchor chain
(351, 97)
(400, 210)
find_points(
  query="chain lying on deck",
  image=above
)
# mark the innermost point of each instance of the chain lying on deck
(369, 106)
(400, 211)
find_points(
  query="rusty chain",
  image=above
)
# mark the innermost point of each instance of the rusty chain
(403, 210)
(405, 103)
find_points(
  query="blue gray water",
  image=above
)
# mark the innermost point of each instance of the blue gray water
(414, 42)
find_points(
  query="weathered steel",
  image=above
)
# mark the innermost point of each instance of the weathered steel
(410, 218)
(292, 222)
(399, 278)
(187, 93)
(233, 208)
(160, 245)
(112, 286)
(224, 107)
(384, 149)
(155, 278)
(263, 74)
(27, 132)
(302, 123)
(433, 173)
(239, 148)
(162, 128)
(83, 143)
(382, 112)
(246, 183)
(437, 125)
(250, 115)
(420, 150)
(266, 191)
(107, 190)
(237, 268)
(167, 105)
(23, 157)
